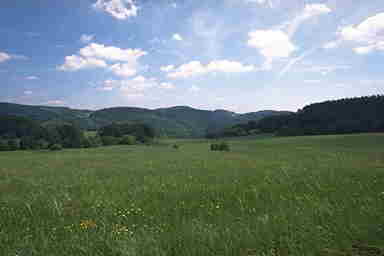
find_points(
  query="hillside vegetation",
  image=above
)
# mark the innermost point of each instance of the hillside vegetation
(351, 115)
(320, 195)
(175, 121)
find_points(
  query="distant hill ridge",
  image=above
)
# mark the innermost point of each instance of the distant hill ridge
(177, 121)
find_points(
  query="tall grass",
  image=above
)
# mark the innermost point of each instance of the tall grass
(278, 196)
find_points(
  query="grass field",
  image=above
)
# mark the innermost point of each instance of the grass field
(320, 195)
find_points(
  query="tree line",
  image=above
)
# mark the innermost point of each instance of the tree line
(349, 115)
(19, 133)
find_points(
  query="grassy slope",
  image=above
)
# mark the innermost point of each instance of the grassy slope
(279, 196)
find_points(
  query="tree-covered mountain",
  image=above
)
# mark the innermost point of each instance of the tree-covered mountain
(180, 121)
(351, 115)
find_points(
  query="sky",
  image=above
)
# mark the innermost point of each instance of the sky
(238, 55)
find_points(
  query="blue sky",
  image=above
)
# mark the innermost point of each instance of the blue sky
(239, 55)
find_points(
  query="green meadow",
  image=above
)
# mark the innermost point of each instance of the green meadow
(320, 195)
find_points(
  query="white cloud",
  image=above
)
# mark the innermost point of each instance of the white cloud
(167, 68)
(111, 53)
(177, 37)
(271, 43)
(368, 31)
(195, 68)
(97, 55)
(27, 92)
(73, 63)
(4, 57)
(369, 34)
(119, 9)
(379, 46)
(332, 44)
(194, 89)
(324, 70)
(31, 78)
(312, 10)
(86, 38)
(262, 2)
(124, 69)
(363, 50)
(55, 102)
(166, 85)
(136, 85)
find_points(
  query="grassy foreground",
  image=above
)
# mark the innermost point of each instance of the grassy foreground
(319, 195)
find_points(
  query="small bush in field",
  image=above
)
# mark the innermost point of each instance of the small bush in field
(109, 140)
(4, 145)
(128, 140)
(223, 146)
(55, 147)
(175, 146)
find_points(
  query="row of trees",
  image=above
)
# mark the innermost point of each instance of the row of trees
(19, 133)
(352, 115)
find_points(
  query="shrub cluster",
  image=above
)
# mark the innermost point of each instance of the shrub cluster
(223, 146)
(18, 133)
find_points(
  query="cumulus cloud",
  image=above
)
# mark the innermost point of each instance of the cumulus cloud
(332, 44)
(312, 10)
(111, 53)
(167, 68)
(124, 69)
(379, 46)
(4, 57)
(271, 43)
(276, 43)
(368, 31)
(177, 37)
(195, 68)
(27, 92)
(166, 86)
(100, 56)
(119, 9)
(31, 78)
(86, 38)
(73, 63)
(369, 34)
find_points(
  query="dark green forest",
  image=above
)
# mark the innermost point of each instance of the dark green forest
(350, 115)
(20, 133)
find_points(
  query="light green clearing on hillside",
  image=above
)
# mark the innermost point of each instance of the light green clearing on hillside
(277, 196)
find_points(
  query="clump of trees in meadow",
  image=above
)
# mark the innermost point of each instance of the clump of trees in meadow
(352, 115)
(19, 133)
(126, 133)
(222, 146)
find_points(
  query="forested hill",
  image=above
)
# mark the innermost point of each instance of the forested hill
(181, 121)
(352, 115)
